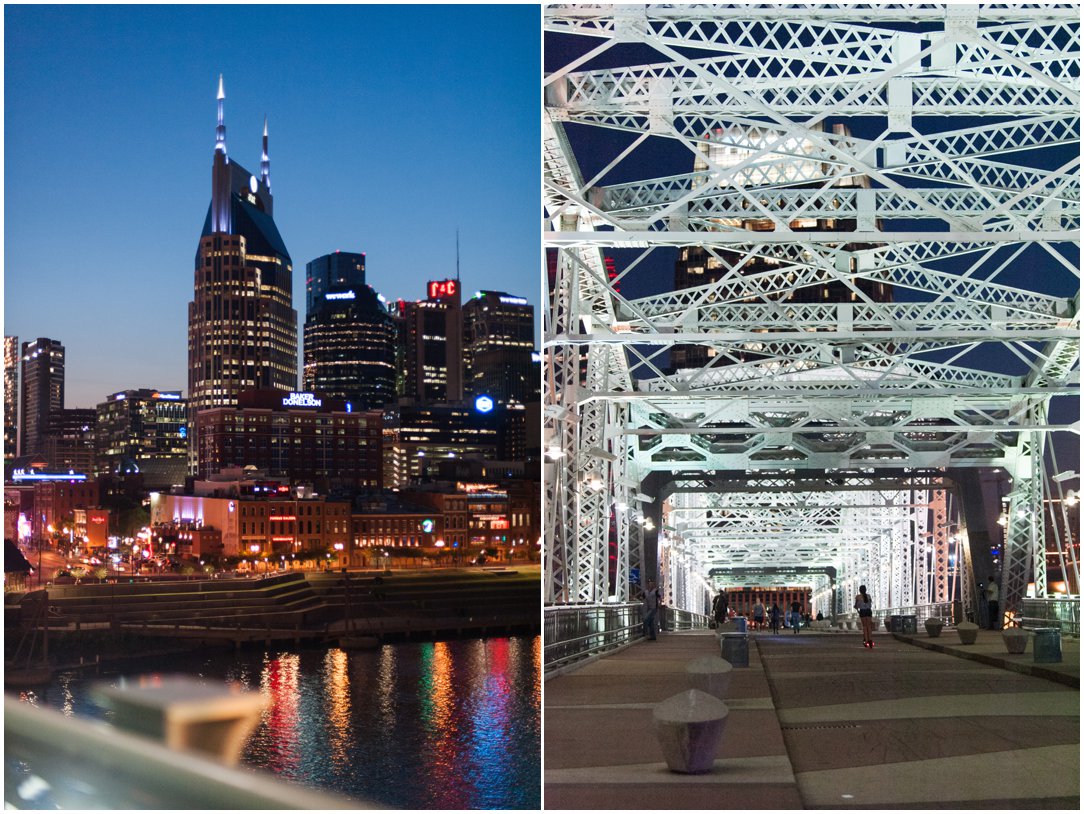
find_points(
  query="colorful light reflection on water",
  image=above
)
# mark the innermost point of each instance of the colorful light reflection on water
(440, 725)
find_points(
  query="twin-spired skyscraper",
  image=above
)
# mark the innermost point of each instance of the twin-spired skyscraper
(242, 327)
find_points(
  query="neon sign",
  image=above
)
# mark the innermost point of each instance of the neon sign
(19, 474)
(483, 404)
(301, 400)
(442, 288)
(342, 295)
(513, 300)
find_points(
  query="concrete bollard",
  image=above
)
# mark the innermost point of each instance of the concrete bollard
(1016, 640)
(710, 675)
(968, 632)
(690, 727)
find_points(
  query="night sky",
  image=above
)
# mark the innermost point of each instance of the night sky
(390, 128)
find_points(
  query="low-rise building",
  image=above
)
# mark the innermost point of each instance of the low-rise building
(301, 436)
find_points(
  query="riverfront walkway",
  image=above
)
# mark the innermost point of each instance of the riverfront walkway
(818, 721)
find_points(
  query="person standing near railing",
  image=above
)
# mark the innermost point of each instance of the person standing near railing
(652, 600)
(864, 605)
(992, 596)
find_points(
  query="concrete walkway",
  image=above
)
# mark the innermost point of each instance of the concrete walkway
(818, 721)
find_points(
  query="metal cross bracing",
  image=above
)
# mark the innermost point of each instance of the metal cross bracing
(883, 205)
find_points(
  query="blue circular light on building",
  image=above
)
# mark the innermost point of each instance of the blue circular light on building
(428, 526)
(483, 404)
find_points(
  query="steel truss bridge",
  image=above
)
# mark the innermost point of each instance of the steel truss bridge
(824, 440)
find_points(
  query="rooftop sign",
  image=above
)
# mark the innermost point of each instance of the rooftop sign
(442, 288)
(302, 400)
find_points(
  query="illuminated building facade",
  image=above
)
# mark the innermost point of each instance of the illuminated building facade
(242, 328)
(418, 437)
(350, 336)
(69, 443)
(11, 398)
(42, 394)
(337, 271)
(144, 431)
(498, 331)
(431, 345)
(305, 437)
(55, 502)
(277, 531)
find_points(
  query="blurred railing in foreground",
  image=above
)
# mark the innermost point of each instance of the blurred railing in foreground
(54, 761)
(575, 632)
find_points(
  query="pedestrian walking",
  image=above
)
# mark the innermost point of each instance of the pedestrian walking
(776, 617)
(796, 615)
(992, 596)
(864, 605)
(719, 608)
(651, 602)
(758, 614)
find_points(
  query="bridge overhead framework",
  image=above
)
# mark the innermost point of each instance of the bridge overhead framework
(867, 368)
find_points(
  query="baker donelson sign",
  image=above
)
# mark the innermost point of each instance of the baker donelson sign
(301, 400)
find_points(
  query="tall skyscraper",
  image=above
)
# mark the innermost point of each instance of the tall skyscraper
(42, 392)
(242, 328)
(431, 345)
(349, 335)
(11, 397)
(340, 270)
(498, 331)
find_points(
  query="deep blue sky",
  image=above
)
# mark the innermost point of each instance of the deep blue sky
(390, 127)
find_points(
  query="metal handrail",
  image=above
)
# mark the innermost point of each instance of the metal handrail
(575, 632)
(1044, 612)
(572, 633)
(939, 610)
(53, 761)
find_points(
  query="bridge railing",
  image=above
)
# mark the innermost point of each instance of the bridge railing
(947, 611)
(575, 632)
(1060, 613)
(677, 619)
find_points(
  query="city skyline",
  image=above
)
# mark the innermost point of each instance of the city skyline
(364, 155)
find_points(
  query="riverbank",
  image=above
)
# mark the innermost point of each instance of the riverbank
(103, 623)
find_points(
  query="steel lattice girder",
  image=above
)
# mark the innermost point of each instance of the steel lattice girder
(892, 384)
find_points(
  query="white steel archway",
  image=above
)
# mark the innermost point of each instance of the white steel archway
(884, 203)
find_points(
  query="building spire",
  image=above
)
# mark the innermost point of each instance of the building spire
(220, 131)
(265, 162)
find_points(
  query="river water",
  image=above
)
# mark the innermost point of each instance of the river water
(452, 724)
